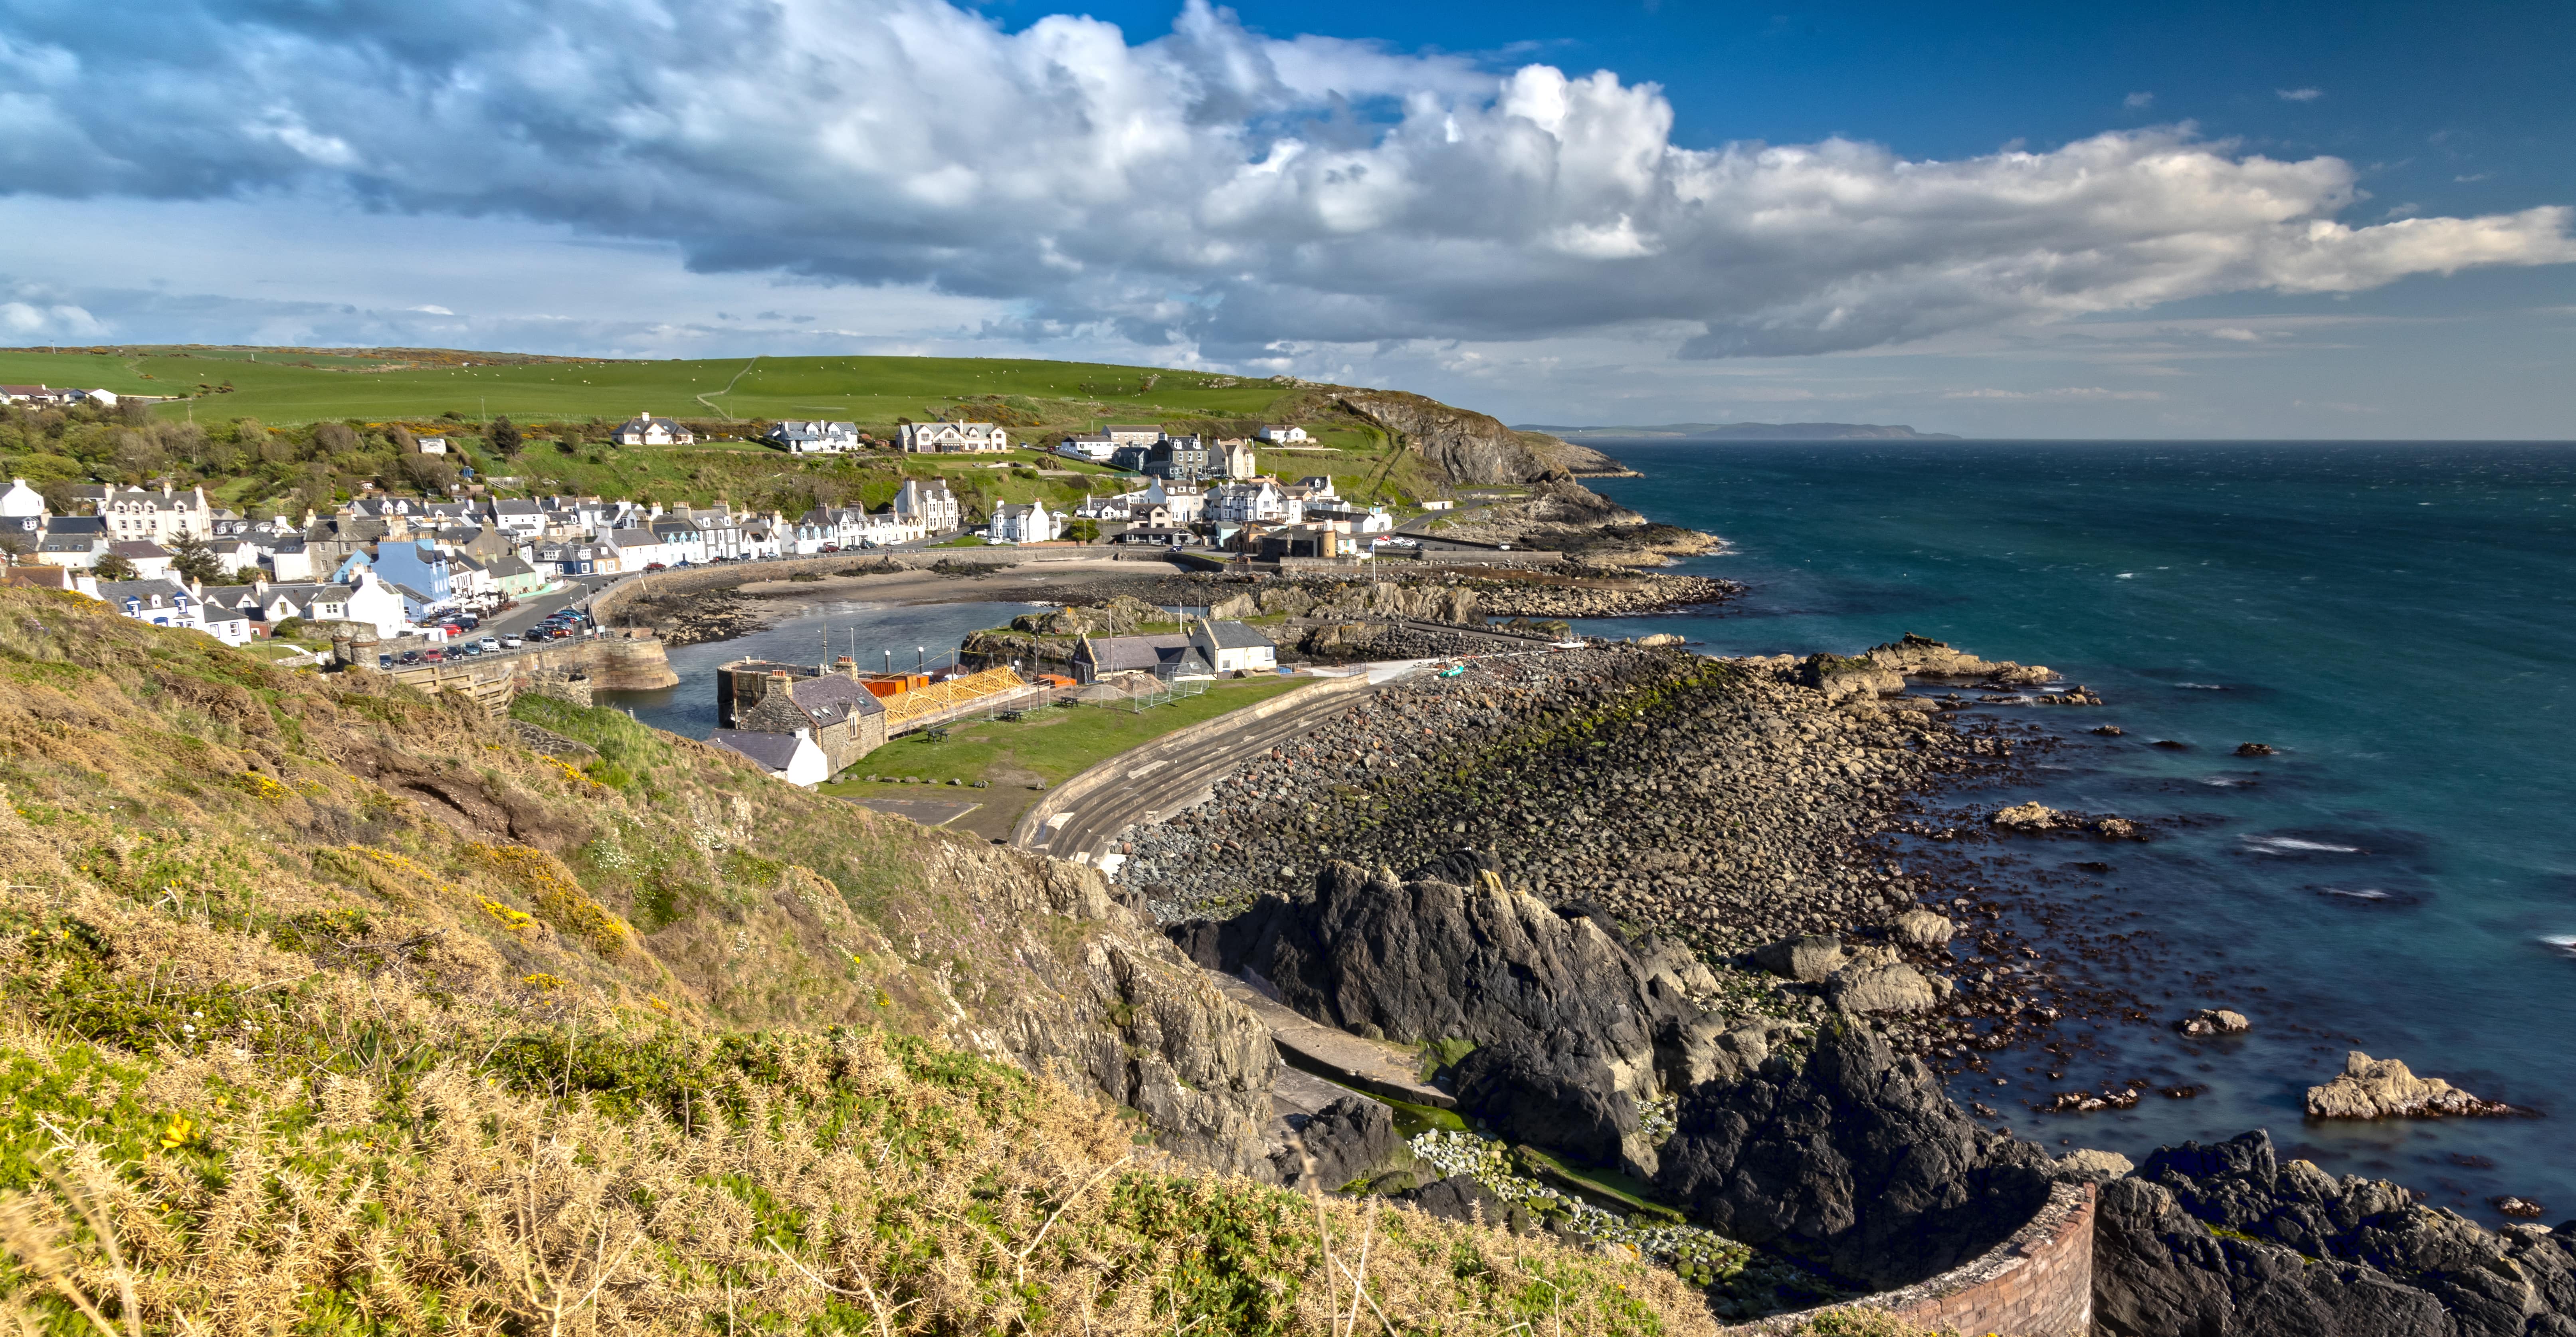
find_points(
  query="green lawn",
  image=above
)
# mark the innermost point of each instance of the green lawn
(1050, 746)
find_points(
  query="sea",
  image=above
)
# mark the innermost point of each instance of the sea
(2397, 620)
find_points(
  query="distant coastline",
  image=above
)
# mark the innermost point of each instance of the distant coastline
(1750, 431)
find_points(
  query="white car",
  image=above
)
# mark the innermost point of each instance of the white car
(489, 644)
(511, 642)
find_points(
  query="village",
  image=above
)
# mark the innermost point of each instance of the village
(428, 566)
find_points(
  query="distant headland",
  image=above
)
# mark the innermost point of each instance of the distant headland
(1753, 431)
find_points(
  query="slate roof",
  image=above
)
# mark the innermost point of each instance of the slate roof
(772, 751)
(1237, 636)
(832, 699)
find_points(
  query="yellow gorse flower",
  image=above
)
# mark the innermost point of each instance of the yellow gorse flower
(179, 1133)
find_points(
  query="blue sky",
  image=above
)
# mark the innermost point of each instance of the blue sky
(2019, 220)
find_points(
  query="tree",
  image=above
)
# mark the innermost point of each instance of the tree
(335, 438)
(249, 575)
(506, 437)
(1083, 531)
(113, 566)
(194, 558)
(429, 473)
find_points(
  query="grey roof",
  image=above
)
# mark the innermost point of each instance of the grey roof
(76, 524)
(1238, 636)
(832, 698)
(503, 567)
(772, 751)
(408, 592)
(68, 543)
(153, 593)
(137, 548)
(1116, 654)
(634, 538)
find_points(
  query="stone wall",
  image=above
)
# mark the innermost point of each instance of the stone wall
(726, 575)
(2038, 1283)
(612, 663)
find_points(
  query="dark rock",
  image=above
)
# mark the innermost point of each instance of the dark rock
(1856, 1156)
(2109, 730)
(1558, 1093)
(2173, 745)
(1808, 958)
(2254, 749)
(2227, 1239)
(1351, 1139)
(1459, 1198)
(2513, 1206)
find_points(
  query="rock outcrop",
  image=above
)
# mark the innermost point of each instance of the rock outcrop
(2383, 1088)
(1922, 657)
(2213, 1021)
(1570, 1025)
(2224, 1239)
(1465, 446)
(1853, 1156)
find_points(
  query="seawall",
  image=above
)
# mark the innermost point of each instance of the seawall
(607, 603)
(615, 662)
(2038, 1283)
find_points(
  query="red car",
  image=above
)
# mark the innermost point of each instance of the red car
(655, 566)
(433, 655)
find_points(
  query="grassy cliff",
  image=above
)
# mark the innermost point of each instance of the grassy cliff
(333, 1007)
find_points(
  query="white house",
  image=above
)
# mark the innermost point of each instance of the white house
(431, 445)
(377, 603)
(793, 757)
(928, 505)
(1283, 435)
(888, 527)
(1233, 646)
(1180, 505)
(813, 436)
(950, 438)
(639, 548)
(519, 519)
(1096, 447)
(1133, 433)
(21, 502)
(156, 517)
(1236, 459)
(105, 399)
(1024, 524)
(163, 603)
(1259, 501)
(646, 430)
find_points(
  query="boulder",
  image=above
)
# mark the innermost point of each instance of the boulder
(2213, 1021)
(2030, 817)
(1807, 958)
(1351, 1139)
(1923, 928)
(1714, 1048)
(2254, 749)
(1881, 988)
(1461, 1198)
(2383, 1088)
(1660, 638)
(1559, 1093)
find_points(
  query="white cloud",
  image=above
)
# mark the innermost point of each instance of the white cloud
(1212, 192)
(2138, 101)
(2299, 94)
(2236, 334)
(433, 310)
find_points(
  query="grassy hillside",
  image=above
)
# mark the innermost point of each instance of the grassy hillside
(255, 423)
(332, 1007)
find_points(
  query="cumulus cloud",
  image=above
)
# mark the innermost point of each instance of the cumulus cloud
(1212, 191)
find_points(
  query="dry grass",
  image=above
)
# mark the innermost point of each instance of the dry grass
(413, 1032)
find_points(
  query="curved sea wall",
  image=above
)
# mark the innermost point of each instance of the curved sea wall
(2038, 1283)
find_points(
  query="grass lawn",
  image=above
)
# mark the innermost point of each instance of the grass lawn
(1050, 746)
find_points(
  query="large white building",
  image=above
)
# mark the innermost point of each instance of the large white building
(156, 517)
(929, 506)
(814, 436)
(953, 438)
(1284, 434)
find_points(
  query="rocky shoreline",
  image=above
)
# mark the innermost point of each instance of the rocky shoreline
(695, 618)
(1732, 828)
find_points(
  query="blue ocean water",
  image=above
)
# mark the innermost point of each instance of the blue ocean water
(2398, 620)
(875, 634)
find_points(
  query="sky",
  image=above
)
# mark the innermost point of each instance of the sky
(2022, 220)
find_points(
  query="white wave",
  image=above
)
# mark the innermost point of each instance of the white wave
(2359, 893)
(2226, 781)
(2564, 942)
(2294, 845)
(2128, 575)
(2201, 686)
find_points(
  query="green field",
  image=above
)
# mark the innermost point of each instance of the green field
(287, 387)
(245, 424)
(1051, 745)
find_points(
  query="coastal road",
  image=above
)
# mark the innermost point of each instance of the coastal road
(1163, 778)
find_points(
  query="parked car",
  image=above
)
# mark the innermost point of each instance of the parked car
(409, 657)
(434, 655)
(511, 642)
(384, 661)
(469, 622)
(655, 566)
(488, 643)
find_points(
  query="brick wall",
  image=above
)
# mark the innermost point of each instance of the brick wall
(2038, 1283)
